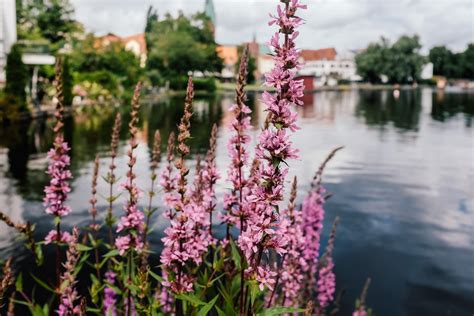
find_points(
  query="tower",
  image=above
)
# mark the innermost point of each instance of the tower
(211, 13)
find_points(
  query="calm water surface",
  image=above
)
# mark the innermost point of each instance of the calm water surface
(403, 185)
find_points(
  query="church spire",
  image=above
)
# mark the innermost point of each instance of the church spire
(210, 12)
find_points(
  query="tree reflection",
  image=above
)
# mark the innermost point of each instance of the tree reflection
(447, 105)
(380, 108)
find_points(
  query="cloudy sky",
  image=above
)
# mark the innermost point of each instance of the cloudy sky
(344, 24)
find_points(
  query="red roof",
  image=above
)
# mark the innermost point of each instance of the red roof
(319, 54)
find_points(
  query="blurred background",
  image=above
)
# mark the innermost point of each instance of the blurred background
(392, 81)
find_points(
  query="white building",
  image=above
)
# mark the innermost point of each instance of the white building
(327, 66)
(7, 32)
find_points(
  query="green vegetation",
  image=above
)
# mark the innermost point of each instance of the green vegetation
(453, 65)
(46, 20)
(400, 62)
(13, 102)
(108, 70)
(251, 66)
(179, 45)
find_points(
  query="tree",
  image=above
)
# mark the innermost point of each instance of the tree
(404, 60)
(400, 62)
(442, 59)
(51, 20)
(16, 77)
(112, 66)
(179, 45)
(372, 62)
(467, 62)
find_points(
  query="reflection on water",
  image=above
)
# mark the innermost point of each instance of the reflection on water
(402, 185)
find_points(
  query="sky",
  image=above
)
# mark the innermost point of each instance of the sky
(343, 24)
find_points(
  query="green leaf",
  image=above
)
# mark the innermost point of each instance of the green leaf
(155, 276)
(206, 308)
(235, 254)
(220, 312)
(19, 283)
(111, 253)
(281, 310)
(82, 247)
(191, 299)
(43, 284)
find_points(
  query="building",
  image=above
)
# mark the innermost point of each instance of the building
(8, 34)
(327, 66)
(210, 11)
(230, 57)
(134, 43)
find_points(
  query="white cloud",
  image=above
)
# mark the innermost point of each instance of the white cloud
(344, 24)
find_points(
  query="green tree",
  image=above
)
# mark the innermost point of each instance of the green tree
(113, 67)
(404, 60)
(467, 62)
(179, 45)
(400, 62)
(372, 62)
(46, 19)
(442, 59)
(16, 77)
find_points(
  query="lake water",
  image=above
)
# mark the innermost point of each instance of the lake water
(402, 186)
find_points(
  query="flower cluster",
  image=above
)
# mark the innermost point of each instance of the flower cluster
(109, 295)
(274, 147)
(133, 220)
(236, 148)
(69, 295)
(326, 284)
(57, 190)
(188, 237)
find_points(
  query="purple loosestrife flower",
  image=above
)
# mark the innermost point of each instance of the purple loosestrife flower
(210, 176)
(294, 265)
(67, 289)
(274, 147)
(326, 285)
(169, 178)
(312, 225)
(109, 295)
(237, 149)
(57, 190)
(187, 238)
(361, 309)
(132, 222)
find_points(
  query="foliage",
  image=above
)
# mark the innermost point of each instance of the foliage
(112, 67)
(179, 45)
(16, 78)
(400, 62)
(51, 20)
(453, 65)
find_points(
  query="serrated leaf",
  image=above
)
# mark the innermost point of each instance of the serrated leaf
(206, 308)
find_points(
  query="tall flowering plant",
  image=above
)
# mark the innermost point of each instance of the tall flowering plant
(270, 260)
